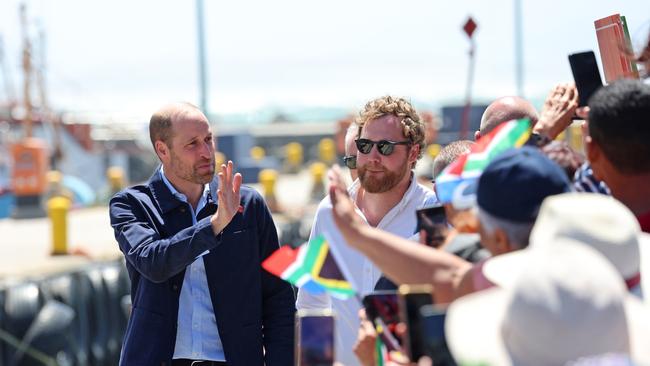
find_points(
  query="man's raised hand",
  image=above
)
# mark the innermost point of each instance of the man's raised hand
(559, 107)
(228, 197)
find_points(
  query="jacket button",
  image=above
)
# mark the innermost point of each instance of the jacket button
(163, 363)
(175, 287)
(183, 209)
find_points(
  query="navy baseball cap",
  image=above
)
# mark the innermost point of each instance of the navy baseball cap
(515, 183)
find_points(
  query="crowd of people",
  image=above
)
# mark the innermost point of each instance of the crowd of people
(546, 263)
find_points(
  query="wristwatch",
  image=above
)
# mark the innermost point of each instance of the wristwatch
(538, 139)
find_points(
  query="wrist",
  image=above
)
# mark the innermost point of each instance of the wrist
(539, 139)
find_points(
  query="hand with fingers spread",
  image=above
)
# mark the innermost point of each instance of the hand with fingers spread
(228, 197)
(559, 107)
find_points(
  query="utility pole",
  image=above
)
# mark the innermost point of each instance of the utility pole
(45, 113)
(519, 49)
(27, 71)
(469, 27)
(203, 73)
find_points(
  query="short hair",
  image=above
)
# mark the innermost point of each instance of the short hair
(518, 232)
(618, 124)
(450, 153)
(412, 124)
(160, 124)
(505, 109)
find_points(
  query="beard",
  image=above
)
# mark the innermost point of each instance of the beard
(191, 173)
(382, 183)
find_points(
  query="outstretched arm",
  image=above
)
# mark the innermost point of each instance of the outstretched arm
(402, 260)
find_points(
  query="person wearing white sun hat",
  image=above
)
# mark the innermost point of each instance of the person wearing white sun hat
(599, 221)
(568, 304)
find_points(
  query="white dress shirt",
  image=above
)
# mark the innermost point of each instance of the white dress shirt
(197, 336)
(400, 220)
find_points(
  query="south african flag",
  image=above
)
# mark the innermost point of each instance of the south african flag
(311, 267)
(466, 169)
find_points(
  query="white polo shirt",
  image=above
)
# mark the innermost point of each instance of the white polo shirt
(400, 220)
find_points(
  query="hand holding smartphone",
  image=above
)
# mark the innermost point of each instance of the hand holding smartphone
(433, 221)
(382, 310)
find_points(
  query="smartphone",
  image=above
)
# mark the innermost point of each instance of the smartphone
(382, 310)
(433, 221)
(314, 345)
(585, 74)
(411, 299)
(433, 334)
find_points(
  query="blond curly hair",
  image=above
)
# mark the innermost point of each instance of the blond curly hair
(412, 124)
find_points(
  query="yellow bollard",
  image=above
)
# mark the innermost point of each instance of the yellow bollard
(115, 176)
(258, 153)
(433, 150)
(294, 157)
(317, 171)
(576, 140)
(327, 151)
(57, 208)
(268, 178)
(219, 159)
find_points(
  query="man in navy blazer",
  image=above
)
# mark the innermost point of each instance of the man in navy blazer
(193, 246)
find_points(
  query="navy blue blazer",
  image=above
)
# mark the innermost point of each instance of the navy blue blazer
(254, 309)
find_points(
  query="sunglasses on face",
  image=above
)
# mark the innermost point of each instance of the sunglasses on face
(385, 147)
(350, 161)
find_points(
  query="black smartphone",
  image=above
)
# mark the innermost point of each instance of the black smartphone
(433, 221)
(433, 334)
(411, 299)
(382, 310)
(315, 337)
(585, 74)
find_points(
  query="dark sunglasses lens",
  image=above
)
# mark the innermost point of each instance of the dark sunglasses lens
(385, 147)
(350, 161)
(364, 146)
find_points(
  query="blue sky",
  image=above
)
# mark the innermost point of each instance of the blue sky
(122, 59)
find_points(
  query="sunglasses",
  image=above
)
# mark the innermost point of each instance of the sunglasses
(385, 147)
(350, 161)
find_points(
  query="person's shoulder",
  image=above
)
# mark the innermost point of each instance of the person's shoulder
(324, 204)
(424, 195)
(138, 190)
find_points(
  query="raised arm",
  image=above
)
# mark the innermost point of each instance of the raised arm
(157, 258)
(402, 260)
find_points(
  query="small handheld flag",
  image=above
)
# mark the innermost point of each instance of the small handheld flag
(466, 169)
(312, 267)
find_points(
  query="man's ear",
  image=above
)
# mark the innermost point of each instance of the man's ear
(477, 135)
(162, 150)
(501, 242)
(413, 154)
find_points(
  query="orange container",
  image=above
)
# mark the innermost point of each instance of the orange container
(30, 165)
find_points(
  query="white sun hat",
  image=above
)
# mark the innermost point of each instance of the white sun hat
(569, 303)
(596, 220)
